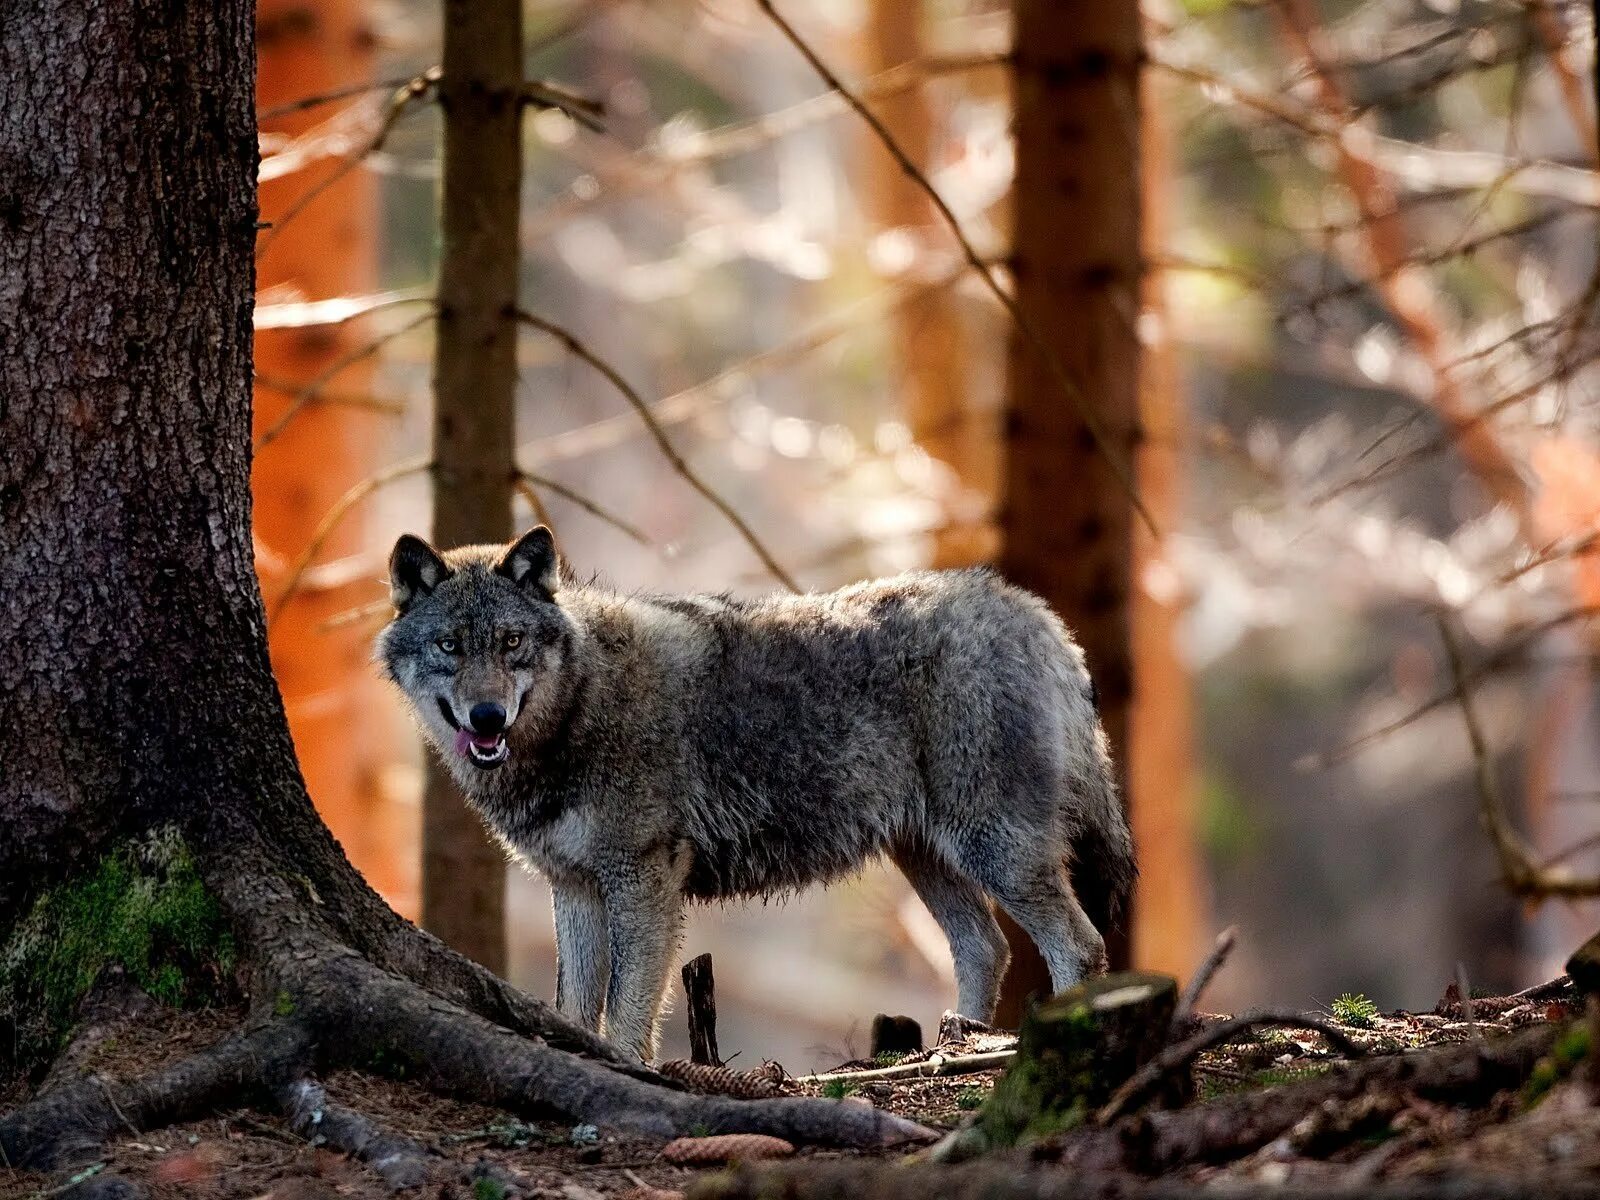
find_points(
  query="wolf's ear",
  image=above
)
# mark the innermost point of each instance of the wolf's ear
(415, 569)
(531, 562)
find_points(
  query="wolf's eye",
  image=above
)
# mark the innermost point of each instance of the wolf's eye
(513, 640)
(449, 645)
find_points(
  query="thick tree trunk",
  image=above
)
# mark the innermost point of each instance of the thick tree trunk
(134, 680)
(475, 379)
(1066, 520)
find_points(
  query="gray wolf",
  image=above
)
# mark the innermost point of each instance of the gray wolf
(644, 750)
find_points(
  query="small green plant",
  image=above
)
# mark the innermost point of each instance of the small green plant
(283, 1005)
(837, 1089)
(1355, 1010)
(485, 1188)
(888, 1058)
(969, 1099)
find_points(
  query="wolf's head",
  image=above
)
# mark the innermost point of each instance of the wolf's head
(478, 643)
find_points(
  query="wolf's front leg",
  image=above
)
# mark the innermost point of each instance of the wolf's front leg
(583, 951)
(644, 909)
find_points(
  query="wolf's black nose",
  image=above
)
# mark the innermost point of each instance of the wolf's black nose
(487, 718)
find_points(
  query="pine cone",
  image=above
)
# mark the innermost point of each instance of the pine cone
(719, 1081)
(727, 1147)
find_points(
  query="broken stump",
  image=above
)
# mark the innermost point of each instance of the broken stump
(895, 1035)
(1073, 1052)
(700, 998)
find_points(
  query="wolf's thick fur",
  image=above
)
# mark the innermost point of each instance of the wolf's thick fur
(658, 748)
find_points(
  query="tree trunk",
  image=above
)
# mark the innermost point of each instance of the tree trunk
(929, 339)
(1066, 521)
(1169, 925)
(307, 47)
(134, 678)
(474, 384)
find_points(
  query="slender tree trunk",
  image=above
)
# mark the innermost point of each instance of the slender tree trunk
(306, 47)
(929, 340)
(475, 378)
(1169, 924)
(1066, 522)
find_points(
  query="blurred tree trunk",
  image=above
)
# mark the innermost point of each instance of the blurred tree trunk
(929, 338)
(307, 47)
(1170, 922)
(475, 378)
(1066, 521)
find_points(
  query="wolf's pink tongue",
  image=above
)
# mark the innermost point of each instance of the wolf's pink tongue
(463, 740)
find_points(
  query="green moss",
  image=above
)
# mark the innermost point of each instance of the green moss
(1570, 1050)
(969, 1099)
(888, 1058)
(283, 1005)
(142, 907)
(484, 1188)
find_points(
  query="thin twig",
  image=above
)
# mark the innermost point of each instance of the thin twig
(319, 99)
(663, 443)
(1180, 1054)
(936, 1065)
(331, 519)
(1202, 977)
(312, 392)
(584, 111)
(1069, 388)
(412, 92)
(524, 488)
(589, 506)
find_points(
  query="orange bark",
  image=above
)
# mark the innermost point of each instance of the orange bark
(1171, 916)
(343, 724)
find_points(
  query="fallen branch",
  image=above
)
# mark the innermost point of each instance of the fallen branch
(935, 1064)
(1178, 1056)
(1202, 977)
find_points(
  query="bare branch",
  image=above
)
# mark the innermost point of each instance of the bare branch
(330, 97)
(413, 92)
(663, 443)
(526, 478)
(337, 310)
(1068, 387)
(312, 392)
(330, 521)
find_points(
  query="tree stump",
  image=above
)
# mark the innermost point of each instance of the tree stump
(895, 1035)
(700, 997)
(1073, 1052)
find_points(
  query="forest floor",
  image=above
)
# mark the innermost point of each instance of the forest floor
(1543, 1125)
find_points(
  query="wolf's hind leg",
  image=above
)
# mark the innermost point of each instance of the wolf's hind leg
(644, 910)
(1040, 899)
(962, 911)
(583, 952)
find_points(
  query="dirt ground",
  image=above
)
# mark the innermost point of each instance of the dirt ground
(478, 1153)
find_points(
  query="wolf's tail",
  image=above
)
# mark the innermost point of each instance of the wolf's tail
(1103, 866)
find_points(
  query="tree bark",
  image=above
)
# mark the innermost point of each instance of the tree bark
(134, 679)
(474, 384)
(1066, 521)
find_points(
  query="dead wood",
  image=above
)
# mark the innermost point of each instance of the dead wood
(1177, 1057)
(1203, 976)
(1012, 1180)
(1156, 1142)
(700, 998)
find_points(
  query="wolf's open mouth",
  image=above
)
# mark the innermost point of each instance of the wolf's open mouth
(482, 750)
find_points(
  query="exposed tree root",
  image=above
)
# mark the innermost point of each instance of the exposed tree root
(399, 1161)
(69, 1123)
(322, 1005)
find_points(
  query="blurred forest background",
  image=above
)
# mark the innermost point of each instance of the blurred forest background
(1360, 290)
